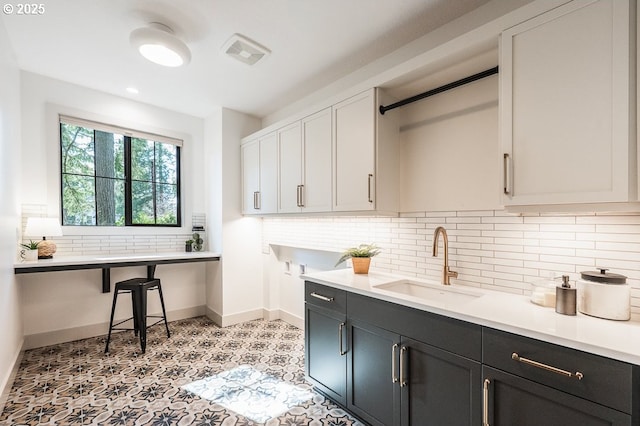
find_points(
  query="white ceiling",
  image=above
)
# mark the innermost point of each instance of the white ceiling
(312, 43)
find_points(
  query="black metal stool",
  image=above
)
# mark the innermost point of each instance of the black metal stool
(138, 288)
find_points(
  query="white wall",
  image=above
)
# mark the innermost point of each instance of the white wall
(10, 309)
(235, 289)
(43, 98)
(61, 306)
(450, 152)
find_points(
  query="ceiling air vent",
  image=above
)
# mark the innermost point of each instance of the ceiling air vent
(244, 50)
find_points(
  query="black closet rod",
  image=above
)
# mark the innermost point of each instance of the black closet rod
(440, 89)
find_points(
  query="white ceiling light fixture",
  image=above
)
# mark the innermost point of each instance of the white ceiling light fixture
(157, 43)
(244, 50)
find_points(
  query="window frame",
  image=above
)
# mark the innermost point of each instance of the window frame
(128, 135)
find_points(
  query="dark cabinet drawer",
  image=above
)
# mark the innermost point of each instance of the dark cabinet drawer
(460, 337)
(325, 296)
(603, 380)
(511, 400)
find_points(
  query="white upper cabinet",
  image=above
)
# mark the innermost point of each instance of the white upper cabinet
(365, 162)
(565, 101)
(250, 158)
(290, 182)
(315, 193)
(269, 173)
(259, 159)
(305, 164)
(355, 156)
(342, 158)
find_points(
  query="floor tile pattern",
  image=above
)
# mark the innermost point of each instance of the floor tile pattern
(77, 384)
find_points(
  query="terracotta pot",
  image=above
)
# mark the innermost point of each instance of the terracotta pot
(361, 265)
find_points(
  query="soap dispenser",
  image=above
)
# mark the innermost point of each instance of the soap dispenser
(566, 297)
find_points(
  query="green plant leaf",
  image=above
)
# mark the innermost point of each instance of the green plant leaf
(363, 250)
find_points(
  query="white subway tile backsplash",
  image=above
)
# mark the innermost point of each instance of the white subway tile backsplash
(489, 249)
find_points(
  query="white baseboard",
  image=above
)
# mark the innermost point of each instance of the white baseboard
(266, 314)
(8, 384)
(292, 319)
(39, 340)
(241, 317)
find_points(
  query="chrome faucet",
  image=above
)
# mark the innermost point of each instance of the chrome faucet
(446, 272)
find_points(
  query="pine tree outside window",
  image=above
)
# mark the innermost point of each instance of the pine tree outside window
(118, 177)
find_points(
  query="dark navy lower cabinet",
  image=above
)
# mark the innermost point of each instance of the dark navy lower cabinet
(513, 400)
(529, 382)
(325, 341)
(440, 388)
(373, 391)
(393, 379)
(392, 365)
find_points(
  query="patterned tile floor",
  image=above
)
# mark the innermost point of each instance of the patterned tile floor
(77, 384)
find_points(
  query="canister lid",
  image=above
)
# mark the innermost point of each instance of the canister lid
(602, 276)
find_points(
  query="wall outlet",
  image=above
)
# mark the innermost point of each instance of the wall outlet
(303, 269)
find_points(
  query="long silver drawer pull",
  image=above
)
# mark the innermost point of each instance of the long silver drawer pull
(394, 376)
(340, 328)
(369, 178)
(485, 402)
(578, 375)
(403, 379)
(321, 297)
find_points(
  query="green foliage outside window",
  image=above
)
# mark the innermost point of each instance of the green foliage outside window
(95, 184)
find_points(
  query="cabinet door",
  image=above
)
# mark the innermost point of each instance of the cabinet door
(440, 386)
(268, 174)
(250, 157)
(564, 102)
(316, 137)
(325, 351)
(373, 392)
(512, 400)
(290, 145)
(354, 148)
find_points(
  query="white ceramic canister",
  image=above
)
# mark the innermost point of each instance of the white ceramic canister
(604, 295)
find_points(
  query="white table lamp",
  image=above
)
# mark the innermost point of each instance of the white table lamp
(44, 227)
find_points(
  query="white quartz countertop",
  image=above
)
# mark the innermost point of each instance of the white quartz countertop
(107, 259)
(512, 313)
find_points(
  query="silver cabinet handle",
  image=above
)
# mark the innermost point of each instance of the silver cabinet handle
(301, 195)
(369, 179)
(255, 200)
(506, 174)
(321, 297)
(403, 354)
(340, 328)
(394, 376)
(578, 375)
(485, 402)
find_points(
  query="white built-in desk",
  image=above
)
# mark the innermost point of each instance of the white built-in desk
(106, 262)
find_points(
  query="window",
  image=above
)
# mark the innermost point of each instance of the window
(118, 177)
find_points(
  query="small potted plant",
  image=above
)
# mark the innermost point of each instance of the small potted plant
(187, 245)
(360, 257)
(30, 250)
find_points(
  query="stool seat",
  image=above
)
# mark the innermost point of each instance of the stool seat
(138, 287)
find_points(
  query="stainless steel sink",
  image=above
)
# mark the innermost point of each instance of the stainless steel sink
(430, 292)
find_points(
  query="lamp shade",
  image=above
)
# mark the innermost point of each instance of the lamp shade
(43, 227)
